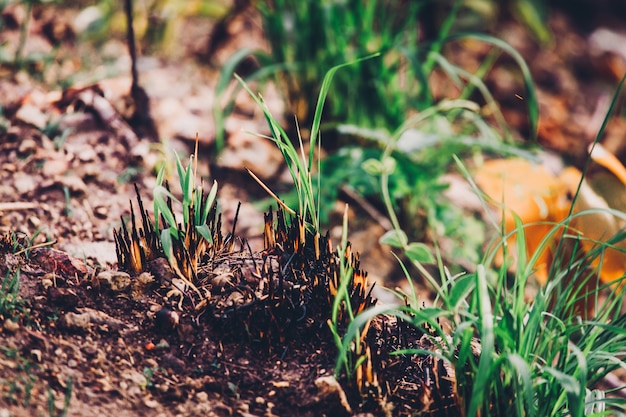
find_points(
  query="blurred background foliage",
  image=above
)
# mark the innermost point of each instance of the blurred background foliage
(398, 101)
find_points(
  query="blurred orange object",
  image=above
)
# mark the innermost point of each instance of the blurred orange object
(541, 199)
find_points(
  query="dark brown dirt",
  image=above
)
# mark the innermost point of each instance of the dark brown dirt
(119, 356)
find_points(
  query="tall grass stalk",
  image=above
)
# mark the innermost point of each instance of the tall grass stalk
(300, 165)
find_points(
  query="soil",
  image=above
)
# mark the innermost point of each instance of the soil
(70, 159)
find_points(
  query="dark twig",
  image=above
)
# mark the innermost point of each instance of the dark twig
(132, 48)
(140, 118)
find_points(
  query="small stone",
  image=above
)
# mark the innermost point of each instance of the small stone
(75, 321)
(115, 280)
(36, 354)
(32, 115)
(202, 397)
(27, 145)
(150, 402)
(137, 378)
(9, 167)
(72, 363)
(23, 183)
(59, 404)
(329, 387)
(55, 164)
(281, 384)
(34, 221)
(11, 326)
(87, 154)
(46, 283)
(101, 212)
(166, 319)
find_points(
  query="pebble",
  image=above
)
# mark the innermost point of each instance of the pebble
(9, 167)
(116, 280)
(30, 114)
(76, 321)
(23, 183)
(202, 397)
(11, 326)
(150, 402)
(36, 354)
(101, 212)
(169, 361)
(87, 154)
(27, 145)
(59, 404)
(137, 378)
(34, 221)
(329, 387)
(55, 165)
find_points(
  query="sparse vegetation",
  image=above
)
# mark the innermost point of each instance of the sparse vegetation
(9, 298)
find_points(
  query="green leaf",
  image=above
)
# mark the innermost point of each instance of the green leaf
(372, 166)
(419, 252)
(388, 165)
(209, 202)
(460, 288)
(569, 384)
(159, 202)
(204, 231)
(166, 242)
(317, 116)
(394, 238)
(531, 99)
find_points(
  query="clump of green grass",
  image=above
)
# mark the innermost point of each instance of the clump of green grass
(383, 107)
(306, 177)
(18, 244)
(10, 301)
(184, 244)
(20, 387)
(515, 355)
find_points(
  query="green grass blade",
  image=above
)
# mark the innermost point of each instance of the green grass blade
(531, 99)
(210, 200)
(204, 231)
(161, 206)
(322, 99)
(487, 354)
